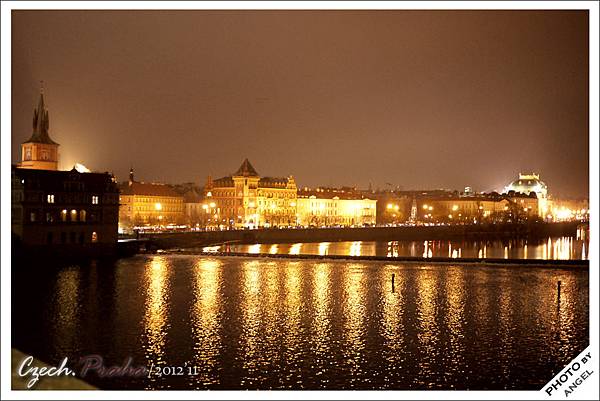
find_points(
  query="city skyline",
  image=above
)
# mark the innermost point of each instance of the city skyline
(417, 99)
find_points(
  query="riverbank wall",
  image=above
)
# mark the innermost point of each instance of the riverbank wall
(414, 233)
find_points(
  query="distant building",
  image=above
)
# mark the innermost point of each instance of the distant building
(477, 208)
(40, 152)
(149, 204)
(333, 207)
(64, 212)
(192, 203)
(531, 183)
(244, 199)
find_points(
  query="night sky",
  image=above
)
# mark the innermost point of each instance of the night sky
(416, 99)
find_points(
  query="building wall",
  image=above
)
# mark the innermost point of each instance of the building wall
(137, 210)
(475, 209)
(64, 209)
(313, 211)
(243, 202)
(39, 156)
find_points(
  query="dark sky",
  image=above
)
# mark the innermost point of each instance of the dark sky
(419, 99)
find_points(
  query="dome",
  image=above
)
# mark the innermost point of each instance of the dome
(528, 183)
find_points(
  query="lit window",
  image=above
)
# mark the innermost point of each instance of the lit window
(94, 236)
(82, 215)
(63, 215)
(32, 216)
(94, 200)
(73, 215)
(50, 198)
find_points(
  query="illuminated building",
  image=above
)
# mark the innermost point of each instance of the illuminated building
(40, 152)
(528, 183)
(149, 204)
(244, 199)
(64, 212)
(192, 204)
(335, 207)
(483, 207)
(569, 209)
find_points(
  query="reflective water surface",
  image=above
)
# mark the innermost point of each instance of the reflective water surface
(553, 248)
(259, 324)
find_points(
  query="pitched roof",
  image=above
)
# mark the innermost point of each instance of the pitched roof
(141, 188)
(246, 170)
(41, 123)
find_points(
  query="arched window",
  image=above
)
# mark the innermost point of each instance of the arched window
(82, 215)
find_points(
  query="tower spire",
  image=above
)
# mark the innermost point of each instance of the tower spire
(41, 122)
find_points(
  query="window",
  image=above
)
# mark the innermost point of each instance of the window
(50, 198)
(44, 154)
(49, 217)
(63, 215)
(28, 153)
(82, 215)
(73, 215)
(94, 236)
(94, 200)
(32, 216)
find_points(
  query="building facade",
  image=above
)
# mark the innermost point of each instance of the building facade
(244, 199)
(477, 209)
(40, 152)
(64, 211)
(530, 183)
(149, 204)
(326, 207)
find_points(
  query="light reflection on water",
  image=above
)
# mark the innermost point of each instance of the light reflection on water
(205, 320)
(552, 248)
(308, 324)
(155, 320)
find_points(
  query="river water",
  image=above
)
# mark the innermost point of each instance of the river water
(245, 323)
(552, 248)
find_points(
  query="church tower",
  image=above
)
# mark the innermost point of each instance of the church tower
(40, 152)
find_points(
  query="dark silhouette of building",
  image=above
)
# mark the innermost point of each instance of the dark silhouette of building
(64, 213)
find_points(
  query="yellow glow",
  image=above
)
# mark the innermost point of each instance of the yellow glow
(155, 318)
(355, 248)
(251, 204)
(204, 316)
(454, 208)
(389, 205)
(321, 281)
(157, 206)
(295, 249)
(425, 207)
(250, 307)
(323, 248)
(213, 204)
(430, 207)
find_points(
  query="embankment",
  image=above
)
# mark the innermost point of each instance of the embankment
(266, 236)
